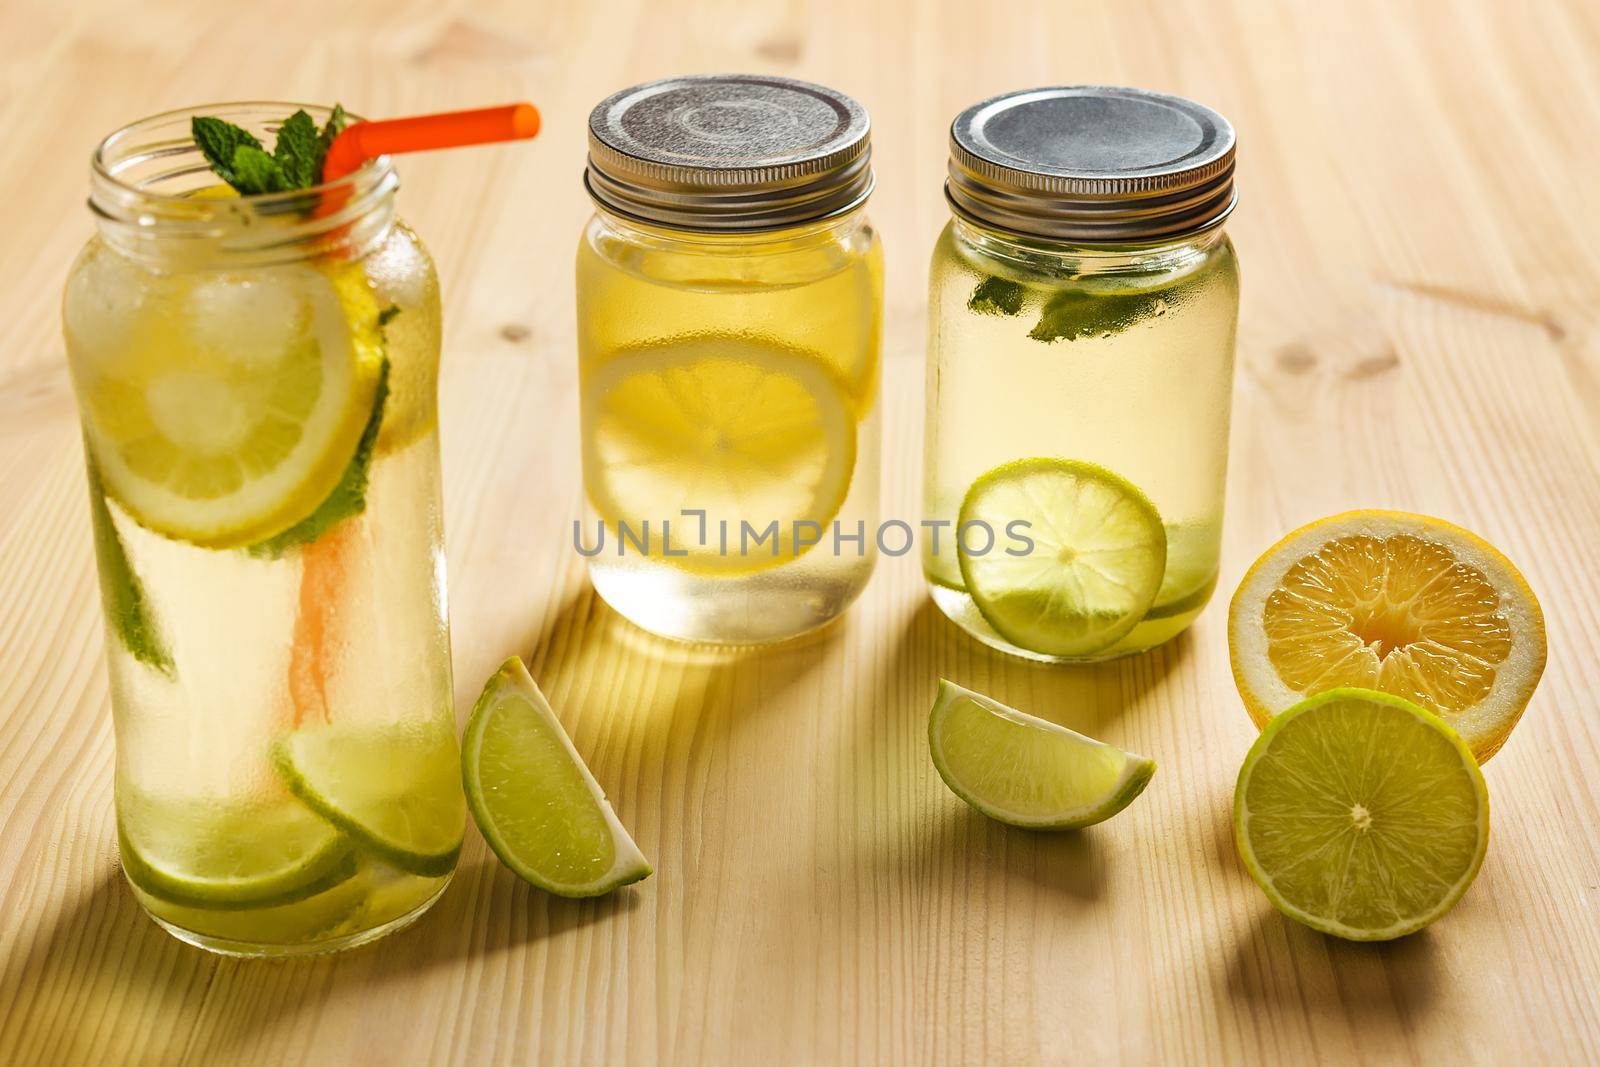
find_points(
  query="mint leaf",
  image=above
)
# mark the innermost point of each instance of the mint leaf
(218, 140)
(256, 172)
(1075, 313)
(387, 315)
(121, 593)
(296, 161)
(299, 151)
(996, 296)
(349, 497)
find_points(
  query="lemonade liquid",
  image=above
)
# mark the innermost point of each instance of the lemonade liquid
(1132, 370)
(729, 293)
(1083, 302)
(286, 765)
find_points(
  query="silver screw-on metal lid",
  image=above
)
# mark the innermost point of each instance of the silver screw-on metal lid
(729, 152)
(1092, 163)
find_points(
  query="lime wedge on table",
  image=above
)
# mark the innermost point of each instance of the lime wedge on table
(1098, 555)
(395, 791)
(534, 799)
(1361, 814)
(1025, 771)
(196, 853)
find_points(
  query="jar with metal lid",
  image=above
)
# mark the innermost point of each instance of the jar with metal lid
(1083, 301)
(729, 294)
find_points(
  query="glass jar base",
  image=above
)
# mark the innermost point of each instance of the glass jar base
(259, 950)
(1150, 633)
(756, 609)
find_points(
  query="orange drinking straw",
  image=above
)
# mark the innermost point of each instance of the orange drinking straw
(323, 562)
(365, 141)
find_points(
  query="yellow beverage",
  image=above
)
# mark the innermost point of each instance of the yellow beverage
(728, 362)
(1083, 302)
(1144, 393)
(260, 427)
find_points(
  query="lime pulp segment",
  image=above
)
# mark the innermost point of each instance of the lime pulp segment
(1098, 556)
(393, 791)
(1026, 771)
(201, 854)
(539, 808)
(1361, 814)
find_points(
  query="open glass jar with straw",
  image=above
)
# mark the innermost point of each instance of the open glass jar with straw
(256, 380)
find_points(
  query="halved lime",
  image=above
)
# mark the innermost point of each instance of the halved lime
(1026, 771)
(203, 854)
(1361, 814)
(1099, 551)
(534, 799)
(393, 789)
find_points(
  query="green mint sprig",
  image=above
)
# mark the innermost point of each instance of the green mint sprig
(296, 162)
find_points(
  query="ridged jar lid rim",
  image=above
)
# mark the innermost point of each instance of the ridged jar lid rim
(1092, 163)
(729, 152)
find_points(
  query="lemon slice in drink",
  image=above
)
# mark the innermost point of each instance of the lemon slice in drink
(205, 855)
(539, 808)
(1361, 815)
(234, 403)
(1401, 603)
(1026, 771)
(1099, 551)
(746, 431)
(395, 791)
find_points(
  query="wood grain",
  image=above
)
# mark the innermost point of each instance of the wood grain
(1422, 278)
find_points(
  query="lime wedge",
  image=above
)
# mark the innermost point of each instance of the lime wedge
(1025, 771)
(1099, 551)
(196, 853)
(534, 799)
(1361, 815)
(393, 790)
(122, 595)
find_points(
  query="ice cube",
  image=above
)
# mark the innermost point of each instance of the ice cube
(249, 318)
(106, 294)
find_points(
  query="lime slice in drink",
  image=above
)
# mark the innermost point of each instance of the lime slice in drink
(232, 404)
(201, 854)
(1361, 814)
(1099, 551)
(743, 431)
(1025, 771)
(395, 791)
(534, 799)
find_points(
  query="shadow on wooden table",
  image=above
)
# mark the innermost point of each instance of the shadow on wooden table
(1280, 966)
(101, 982)
(1087, 698)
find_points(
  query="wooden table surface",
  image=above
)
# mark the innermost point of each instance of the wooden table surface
(1420, 235)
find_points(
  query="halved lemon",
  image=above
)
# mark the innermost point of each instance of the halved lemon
(1400, 603)
(1099, 552)
(759, 437)
(234, 403)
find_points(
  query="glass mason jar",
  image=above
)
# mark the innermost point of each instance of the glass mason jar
(729, 294)
(1083, 301)
(257, 389)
